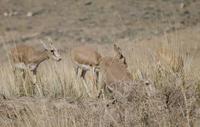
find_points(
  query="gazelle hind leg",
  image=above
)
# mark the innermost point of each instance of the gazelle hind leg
(76, 70)
(15, 74)
(101, 88)
(96, 74)
(34, 77)
(95, 77)
(24, 82)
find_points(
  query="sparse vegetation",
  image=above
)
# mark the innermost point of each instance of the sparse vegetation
(159, 43)
(156, 97)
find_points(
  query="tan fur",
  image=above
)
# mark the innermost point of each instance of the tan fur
(87, 58)
(85, 55)
(26, 57)
(113, 70)
(170, 58)
(27, 54)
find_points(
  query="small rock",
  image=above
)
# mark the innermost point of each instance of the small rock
(5, 14)
(29, 14)
(15, 13)
(182, 5)
(88, 3)
(156, 32)
(11, 13)
(83, 19)
(3, 97)
(186, 12)
(169, 29)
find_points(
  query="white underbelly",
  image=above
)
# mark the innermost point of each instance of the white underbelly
(24, 66)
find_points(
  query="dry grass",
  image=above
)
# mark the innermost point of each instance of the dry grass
(158, 97)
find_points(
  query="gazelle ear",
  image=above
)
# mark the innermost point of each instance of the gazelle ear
(50, 42)
(117, 49)
(44, 45)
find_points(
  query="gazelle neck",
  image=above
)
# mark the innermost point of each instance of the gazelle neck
(40, 57)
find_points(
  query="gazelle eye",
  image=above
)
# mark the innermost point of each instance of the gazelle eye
(52, 51)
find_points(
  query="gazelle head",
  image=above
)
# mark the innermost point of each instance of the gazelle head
(52, 51)
(119, 55)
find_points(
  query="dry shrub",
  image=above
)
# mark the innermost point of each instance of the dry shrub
(181, 103)
(143, 104)
(133, 104)
(173, 105)
(168, 57)
(162, 102)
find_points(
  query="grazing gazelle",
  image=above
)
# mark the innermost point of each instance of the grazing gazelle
(26, 57)
(112, 70)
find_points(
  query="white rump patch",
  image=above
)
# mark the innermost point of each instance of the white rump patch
(84, 67)
(32, 66)
(20, 66)
(25, 67)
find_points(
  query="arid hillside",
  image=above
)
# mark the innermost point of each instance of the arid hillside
(73, 22)
(158, 38)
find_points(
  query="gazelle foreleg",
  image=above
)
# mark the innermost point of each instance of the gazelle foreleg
(34, 76)
(83, 72)
(95, 75)
(84, 69)
(96, 71)
(35, 82)
(76, 69)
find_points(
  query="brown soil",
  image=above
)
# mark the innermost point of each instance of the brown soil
(73, 22)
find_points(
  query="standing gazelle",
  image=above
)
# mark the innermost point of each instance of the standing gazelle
(85, 58)
(26, 57)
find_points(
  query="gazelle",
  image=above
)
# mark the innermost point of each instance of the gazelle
(26, 57)
(87, 58)
(112, 70)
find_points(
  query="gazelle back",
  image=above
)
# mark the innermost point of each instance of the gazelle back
(85, 55)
